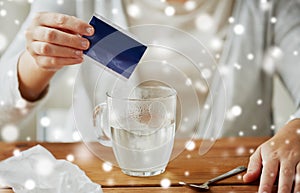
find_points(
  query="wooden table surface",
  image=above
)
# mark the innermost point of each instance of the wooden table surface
(189, 166)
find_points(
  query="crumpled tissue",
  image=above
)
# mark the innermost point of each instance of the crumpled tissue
(36, 170)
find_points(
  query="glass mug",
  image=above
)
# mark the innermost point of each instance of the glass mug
(140, 128)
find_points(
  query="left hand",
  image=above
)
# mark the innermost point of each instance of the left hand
(279, 156)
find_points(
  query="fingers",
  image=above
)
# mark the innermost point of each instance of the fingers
(286, 176)
(55, 63)
(254, 167)
(297, 179)
(46, 49)
(269, 173)
(65, 22)
(54, 36)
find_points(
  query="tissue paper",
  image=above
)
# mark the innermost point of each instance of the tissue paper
(36, 170)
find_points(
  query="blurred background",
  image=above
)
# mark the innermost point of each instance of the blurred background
(49, 120)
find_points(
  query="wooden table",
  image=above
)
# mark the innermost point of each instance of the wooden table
(189, 166)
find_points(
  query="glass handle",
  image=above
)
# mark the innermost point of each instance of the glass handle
(101, 128)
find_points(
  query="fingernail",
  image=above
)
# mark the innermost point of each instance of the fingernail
(89, 30)
(78, 53)
(84, 43)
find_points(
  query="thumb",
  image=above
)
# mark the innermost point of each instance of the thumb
(254, 167)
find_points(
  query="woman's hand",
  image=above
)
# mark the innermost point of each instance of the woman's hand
(53, 40)
(278, 157)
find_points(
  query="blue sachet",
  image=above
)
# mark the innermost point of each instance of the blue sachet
(113, 48)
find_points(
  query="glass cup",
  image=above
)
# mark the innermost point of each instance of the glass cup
(140, 128)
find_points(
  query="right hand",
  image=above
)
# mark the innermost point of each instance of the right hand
(55, 40)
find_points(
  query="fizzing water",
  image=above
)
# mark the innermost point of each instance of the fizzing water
(143, 151)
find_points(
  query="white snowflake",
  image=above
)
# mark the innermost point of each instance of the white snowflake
(16, 152)
(165, 183)
(60, 2)
(17, 22)
(254, 127)
(204, 22)
(170, 11)
(250, 56)
(273, 20)
(70, 158)
(133, 10)
(186, 173)
(231, 19)
(76, 136)
(21, 104)
(206, 73)
(188, 82)
(107, 166)
(259, 102)
(216, 44)
(10, 133)
(190, 5)
(240, 150)
(241, 133)
(3, 12)
(30, 184)
(236, 110)
(190, 145)
(239, 29)
(251, 151)
(287, 141)
(45, 121)
(115, 11)
(237, 66)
